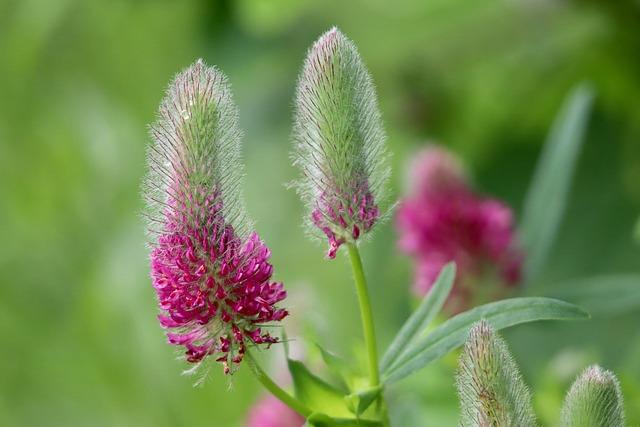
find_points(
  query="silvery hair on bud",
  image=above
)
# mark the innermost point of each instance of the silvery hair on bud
(491, 390)
(339, 138)
(594, 400)
(196, 151)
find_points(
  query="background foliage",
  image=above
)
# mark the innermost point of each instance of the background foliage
(79, 81)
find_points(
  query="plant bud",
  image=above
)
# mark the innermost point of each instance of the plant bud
(339, 142)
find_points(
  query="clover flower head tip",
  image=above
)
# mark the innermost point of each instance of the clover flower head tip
(594, 399)
(339, 142)
(489, 384)
(211, 274)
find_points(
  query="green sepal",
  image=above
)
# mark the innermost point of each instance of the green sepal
(339, 368)
(322, 420)
(359, 401)
(315, 393)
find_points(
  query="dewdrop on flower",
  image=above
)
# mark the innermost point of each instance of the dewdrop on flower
(339, 142)
(212, 276)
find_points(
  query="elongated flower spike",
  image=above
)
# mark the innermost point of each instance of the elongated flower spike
(491, 390)
(211, 274)
(594, 400)
(339, 142)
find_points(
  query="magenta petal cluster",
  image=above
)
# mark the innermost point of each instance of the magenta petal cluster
(271, 412)
(343, 218)
(212, 276)
(214, 290)
(443, 219)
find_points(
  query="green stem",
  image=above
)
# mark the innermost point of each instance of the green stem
(366, 314)
(275, 389)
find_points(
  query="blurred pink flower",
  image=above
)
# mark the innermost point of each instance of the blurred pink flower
(270, 412)
(443, 219)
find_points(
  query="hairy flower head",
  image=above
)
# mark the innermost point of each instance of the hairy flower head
(339, 142)
(491, 390)
(594, 400)
(442, 219)
(211, 274)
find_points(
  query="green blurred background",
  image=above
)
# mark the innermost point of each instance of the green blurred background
(80, 80)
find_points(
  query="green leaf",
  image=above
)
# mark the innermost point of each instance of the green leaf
(338, 367)
(422, 316)
(452, 333)
(359, 402)
(322, 420)
(330, 405)
(547, 196)
(601, 295)
(319, 420)
(315, 393)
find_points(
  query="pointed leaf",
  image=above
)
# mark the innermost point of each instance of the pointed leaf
(490, 387)
(546, 199)
(452, 333)
(359, 402)
(338, 367)
(322, 420)
(315, 392)
(601, 294)
(319, 420)
(424, 314)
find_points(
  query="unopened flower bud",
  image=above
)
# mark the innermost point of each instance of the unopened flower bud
(491, 390)
(340, 142)
(594, 400)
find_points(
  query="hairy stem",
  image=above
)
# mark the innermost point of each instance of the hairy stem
(276, 390)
